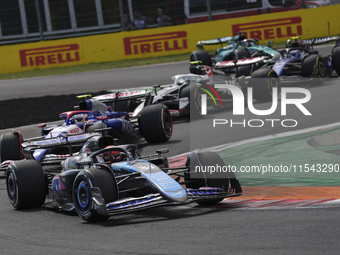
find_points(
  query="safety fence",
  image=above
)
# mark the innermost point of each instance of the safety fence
(169, 40)
(34, 20)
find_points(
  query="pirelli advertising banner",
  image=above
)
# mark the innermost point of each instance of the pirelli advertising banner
(277, 27)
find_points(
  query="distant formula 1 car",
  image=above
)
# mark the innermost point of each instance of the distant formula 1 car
(153, 122)
(237, 48)
(177, 96)
(298, 62)
(13, 147)
(103, 180)
(299, 59)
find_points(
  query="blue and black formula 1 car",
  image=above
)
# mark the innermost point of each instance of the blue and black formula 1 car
(299, 59)
(299, 63)
(103, 180)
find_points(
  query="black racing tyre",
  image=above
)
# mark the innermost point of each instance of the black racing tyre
(311, 63)
(201, 55)
(91, 128)
(26, 184)
(263, 88)
(82, 196)
(196, 93)
(196, 102)
(155, 123)
(185, 93)
(241, 53)
(10, 146)
(336, 59)
(193, 93)
(206, 159)
(243, 70)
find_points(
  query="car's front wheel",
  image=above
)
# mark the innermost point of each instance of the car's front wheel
(199, 177)
(262, 83)
(336, 59)
(314, 66)
(83, 197)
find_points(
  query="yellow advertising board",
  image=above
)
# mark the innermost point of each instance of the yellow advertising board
(277, 27)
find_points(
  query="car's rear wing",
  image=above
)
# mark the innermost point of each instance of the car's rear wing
(213, 42)
(196, 67)
(125, 96)
(319, 41)
(122, 95)
(31, 145)
(48, 143)
(239, 62)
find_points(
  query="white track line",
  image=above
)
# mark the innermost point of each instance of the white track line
(263, 138)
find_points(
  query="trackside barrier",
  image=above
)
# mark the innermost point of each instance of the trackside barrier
(278, 27)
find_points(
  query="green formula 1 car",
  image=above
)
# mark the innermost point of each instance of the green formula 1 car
(237, 47)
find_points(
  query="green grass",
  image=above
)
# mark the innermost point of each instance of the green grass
(95, 67)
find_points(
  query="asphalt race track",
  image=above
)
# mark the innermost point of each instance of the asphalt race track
(311, 229)
(92, 81)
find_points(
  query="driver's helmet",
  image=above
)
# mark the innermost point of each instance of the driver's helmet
(78, 118)
(185, 80)
(112, 156)
(296, 53)
(246, 43)
(295, 44)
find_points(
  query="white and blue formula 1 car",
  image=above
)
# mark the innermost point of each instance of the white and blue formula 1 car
(153, 123)
(103, 180)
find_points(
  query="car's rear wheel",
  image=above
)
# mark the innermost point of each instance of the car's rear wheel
(336, 59)
(10, 144)
(241, 53)
(201, 55)
(243, 70)
(155, 123)
(262, 82)
(313, 66)
(82, 196)
(194, 94)
(26, 184)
